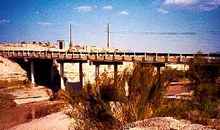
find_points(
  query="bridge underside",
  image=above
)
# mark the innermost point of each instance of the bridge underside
(44, 72)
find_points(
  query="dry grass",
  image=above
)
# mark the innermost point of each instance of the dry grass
(204, 105)
(146, 89)
(145, 92)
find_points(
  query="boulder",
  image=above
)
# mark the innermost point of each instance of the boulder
(164, 123)
(195, 127)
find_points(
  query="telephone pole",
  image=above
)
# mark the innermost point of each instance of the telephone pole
(70, 45)
(108, 35)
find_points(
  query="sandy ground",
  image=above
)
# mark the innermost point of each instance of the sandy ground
(21, 105)
(55, 121)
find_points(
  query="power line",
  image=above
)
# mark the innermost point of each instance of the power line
(154, 33)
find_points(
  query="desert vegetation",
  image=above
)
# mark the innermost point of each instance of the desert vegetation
(106, 104)
(136, 94)
(203, 107)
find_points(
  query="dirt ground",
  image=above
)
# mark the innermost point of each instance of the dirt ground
(22, 105)
(55, 121)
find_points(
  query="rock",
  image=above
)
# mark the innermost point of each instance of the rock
(164, 123)
(214, 123)
(195, 127)
(149, 128)
(157, 123)
(11, 71)
(33, 94)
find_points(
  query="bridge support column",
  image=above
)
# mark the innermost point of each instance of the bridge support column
(115, 74)
(81, 74)
(96, 77)
(158, 71)
(159, 75)
(62, 85)
(96, 71)
(32, 73)
(51, 73)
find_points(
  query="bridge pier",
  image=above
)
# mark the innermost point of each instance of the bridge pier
(159, 75)
(97, 67)
(81, 74)
(52, 72)
(32, 73)
(62, 85)
(96, 77)
(157, 65)
(115, 74)
(96, 71)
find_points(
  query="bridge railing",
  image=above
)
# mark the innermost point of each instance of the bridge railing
(112, 56)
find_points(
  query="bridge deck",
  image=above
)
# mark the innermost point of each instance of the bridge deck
(144, 57)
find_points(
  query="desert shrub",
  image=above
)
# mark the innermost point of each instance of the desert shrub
(107, 90)
(205, 100)
(89, 110)
(174, 108)
(207, 96)
(183, 109)
(144, 92)
(206, 91)
(202, 72)
(173, 74)
(111, 89)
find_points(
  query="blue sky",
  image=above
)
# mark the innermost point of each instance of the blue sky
(143, 25)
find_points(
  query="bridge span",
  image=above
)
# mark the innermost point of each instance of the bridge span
(36, 58)
(83, 56)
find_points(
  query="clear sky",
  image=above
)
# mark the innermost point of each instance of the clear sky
(141, 25)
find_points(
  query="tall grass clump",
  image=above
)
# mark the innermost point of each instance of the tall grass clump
(95, 101)
(145, 91)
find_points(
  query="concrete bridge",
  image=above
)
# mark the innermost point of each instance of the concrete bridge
(41, 64)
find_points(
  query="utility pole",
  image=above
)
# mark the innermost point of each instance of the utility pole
(108, 35)
(70, 45)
